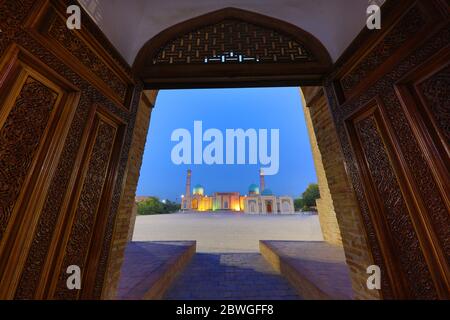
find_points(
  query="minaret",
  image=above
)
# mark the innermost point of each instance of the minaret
(188, 184)
(261, 181)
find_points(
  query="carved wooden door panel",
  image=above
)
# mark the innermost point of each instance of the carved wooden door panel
(67, 109)
(390, 103)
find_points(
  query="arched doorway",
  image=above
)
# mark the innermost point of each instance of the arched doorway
(269, 208)
(164, 54)
(166, 58)
(385, 98)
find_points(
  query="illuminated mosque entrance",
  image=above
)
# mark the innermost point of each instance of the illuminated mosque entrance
(258, 199)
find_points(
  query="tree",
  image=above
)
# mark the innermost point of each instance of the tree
(298, 204)
(308, 198)
(152, 205)
(311, 194)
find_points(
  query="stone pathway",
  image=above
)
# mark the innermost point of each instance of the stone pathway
(230, 276)
(146, 263)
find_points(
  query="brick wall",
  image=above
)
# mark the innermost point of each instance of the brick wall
(325, 208)
(132, 222)
(346, 208)
(124, 219)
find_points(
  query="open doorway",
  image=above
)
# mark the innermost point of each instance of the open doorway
(242, 213)
(82, 113)
(219, 182)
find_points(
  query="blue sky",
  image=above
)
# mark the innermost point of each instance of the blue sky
(257, 108)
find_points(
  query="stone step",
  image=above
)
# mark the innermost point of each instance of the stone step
(149, 268)
(316, 269)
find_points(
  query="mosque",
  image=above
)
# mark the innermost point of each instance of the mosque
(259, 200)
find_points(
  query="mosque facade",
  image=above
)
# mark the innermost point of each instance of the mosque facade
(259, 200)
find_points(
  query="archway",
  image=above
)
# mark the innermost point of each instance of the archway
(381, 127)
(232, 47)
(354, 129)
(171, 60)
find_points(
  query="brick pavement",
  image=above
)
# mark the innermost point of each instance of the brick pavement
(148, 267)
(230, 276)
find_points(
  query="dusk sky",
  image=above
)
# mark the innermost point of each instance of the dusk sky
(257, 108)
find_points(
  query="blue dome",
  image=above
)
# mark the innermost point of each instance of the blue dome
(267, 192)
(253, 188)
(198, 189)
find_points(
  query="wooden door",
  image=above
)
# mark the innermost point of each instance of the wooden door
(67, 106)
(269, 206)
(389, 96)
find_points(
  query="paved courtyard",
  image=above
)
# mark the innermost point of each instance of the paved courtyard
(227, 232)
(230, 276)
(228, 265)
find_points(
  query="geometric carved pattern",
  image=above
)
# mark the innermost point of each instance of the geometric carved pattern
(19, 139)
(436, 90)
(59, 31)
(87, 206)
(396, 213)
(410, 150)
(410, 24)
(417, 162)
(12, 15)
(230, 35)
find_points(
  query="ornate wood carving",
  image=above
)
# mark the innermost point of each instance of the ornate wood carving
(436, 90)
(427, 212)
(11, 16)
(20, 136)
(87, 205)
(406, 25)
(78, 48)
(96, 62)
(251, 48)
(403, 32)
(247, 43)
(423, 94)
(393, 212)
(36, 273)
(19, 66)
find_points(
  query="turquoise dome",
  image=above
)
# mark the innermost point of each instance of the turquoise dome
(267, 192)
(253, 188)
(198, 189)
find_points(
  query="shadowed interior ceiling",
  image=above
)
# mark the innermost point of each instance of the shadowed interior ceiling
(129, 24)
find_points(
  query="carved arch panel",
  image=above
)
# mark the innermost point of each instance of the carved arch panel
(231, 47)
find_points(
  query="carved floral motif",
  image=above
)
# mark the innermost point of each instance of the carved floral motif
(20, 136)
(436, 90)
(410, 24)
(85, 215)
(86, 56)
